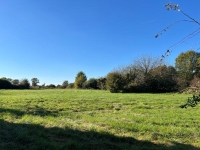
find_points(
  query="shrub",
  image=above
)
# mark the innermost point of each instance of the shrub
(70, 86)
(24, 84)
(5, 84)
(91, 84)
(192, 101)
(115, 82)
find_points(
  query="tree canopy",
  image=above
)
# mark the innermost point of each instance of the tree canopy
(65, 84)
(35, 81)
(80, 80)
(188, 65)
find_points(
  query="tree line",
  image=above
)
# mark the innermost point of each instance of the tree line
(145, 74)
(148, 74)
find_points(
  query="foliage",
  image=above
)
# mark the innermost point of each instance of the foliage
(24, 84)
(51, 86)
(188, 65)
(162, 79)
(5, 84)
(181, 84)
(80, 80)
(35, 81)
(8, 79)
(114, 82)
(59, 86)
(129, 74)
(70, 86)
(101, 83)
(65, 84)
(15, 82)
(147, 74)
(192, 101)
(143, 66)
(91, 84)
(195, 82)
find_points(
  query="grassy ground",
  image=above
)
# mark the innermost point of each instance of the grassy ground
(88, 119)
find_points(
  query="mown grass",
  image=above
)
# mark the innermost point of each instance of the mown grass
(89, 119)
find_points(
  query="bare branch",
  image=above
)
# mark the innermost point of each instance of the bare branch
(168, 27)
(190, 17)
(186, 38)
(171, 6)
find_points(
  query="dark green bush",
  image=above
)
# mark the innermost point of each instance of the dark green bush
(192, 101)
(5, 84)
(115, 82)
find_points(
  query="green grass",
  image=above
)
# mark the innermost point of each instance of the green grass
(90, 119)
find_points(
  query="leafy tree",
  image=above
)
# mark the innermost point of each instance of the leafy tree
(114, 82)
(91, 84)
(51, 86)
(101, 83)
(80, 80)
(70, 86)
(24, 84)
(34, 81)
(15, 82)
(3, 78)
(129, 75)
(65, 84)
(59, 86)
(188, 65)
(8, 79)
(162, 79)
(5, 84)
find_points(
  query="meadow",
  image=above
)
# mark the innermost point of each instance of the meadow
(59, 119)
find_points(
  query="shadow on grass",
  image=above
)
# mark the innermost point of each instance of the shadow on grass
(36, 111)
(36, 137)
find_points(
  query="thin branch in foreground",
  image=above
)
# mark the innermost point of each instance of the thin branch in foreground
(191, 35)
(171, 6)
(168, 27)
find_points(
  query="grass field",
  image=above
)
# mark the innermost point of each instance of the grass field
(90, 119)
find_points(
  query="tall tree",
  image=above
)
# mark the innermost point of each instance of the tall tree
(24, 84)
(162, 79)
(188, 65)
(129, 74)
(80, 80)
(8, 79)
(5, 84)
(101, 83)
(91, 84)
(34, 81)
(15, 82)
(143, 65)
(65, 84)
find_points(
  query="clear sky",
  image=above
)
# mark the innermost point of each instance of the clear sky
(55, 39)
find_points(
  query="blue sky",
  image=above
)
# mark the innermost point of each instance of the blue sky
(54, 40)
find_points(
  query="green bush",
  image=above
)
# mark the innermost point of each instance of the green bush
(91, 84)
(4, 84)
(115, 82)
(192, 101)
